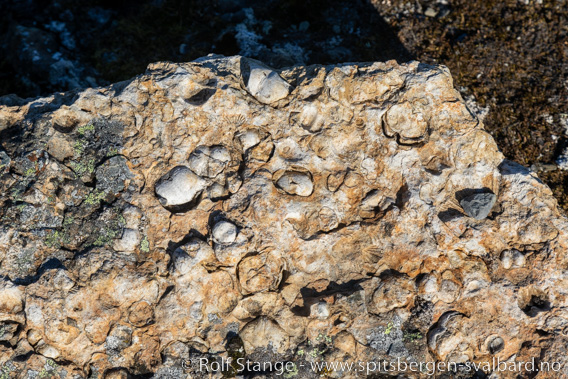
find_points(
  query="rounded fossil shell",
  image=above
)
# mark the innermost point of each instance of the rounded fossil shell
(224, 232)
(179, 187)
(262, 82)
(309, 118)
(209, 161)
(262, 272)
(512, 259)
(294, 181)
(407, 121)
(265, 333)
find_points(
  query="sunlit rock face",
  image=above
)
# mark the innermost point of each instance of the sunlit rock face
(223, 209)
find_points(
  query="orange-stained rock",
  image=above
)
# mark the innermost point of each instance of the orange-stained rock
(220, 208)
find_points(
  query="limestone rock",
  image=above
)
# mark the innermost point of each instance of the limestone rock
(220, 208)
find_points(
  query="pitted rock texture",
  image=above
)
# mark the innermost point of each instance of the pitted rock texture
(220, 208)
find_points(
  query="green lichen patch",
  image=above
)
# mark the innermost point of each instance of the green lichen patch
(5, 371)
(111, 228)
(293, 372)
(145, 245)
(83, 167)
(49, 370)
(95, 197)
(83, 130)
(56, 239)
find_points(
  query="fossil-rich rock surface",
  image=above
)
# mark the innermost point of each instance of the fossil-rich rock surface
(221, 209)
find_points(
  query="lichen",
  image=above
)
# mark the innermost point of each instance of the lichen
(5, 372)
(53, 239)
(145, 245)
(111, 230)
(291, 373)
(86, 166)
(412, 337)
(112, 152)
(95, 197)
(49, 370)
(85, 129)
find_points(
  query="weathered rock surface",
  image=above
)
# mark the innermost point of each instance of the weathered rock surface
(220, 208)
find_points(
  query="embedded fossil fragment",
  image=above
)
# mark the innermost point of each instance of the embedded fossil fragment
(224, 232)
(208, 161)
(263, 82)
(296, 181)
(408, 121)
(180, 186)
(260, 272)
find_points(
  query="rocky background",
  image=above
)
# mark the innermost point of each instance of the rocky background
(510, 56)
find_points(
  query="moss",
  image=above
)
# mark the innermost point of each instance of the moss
(235, 350)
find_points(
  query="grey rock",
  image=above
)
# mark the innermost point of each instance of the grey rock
(112, 175)
(478, 205)
(4, 161)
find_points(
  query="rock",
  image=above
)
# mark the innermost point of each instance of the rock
(129, 241)
(4, 161)
(264, 333)
(113, 174)
(478, 205)
(193, 212)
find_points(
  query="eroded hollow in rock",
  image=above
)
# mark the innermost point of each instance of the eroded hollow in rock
(532, 301)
